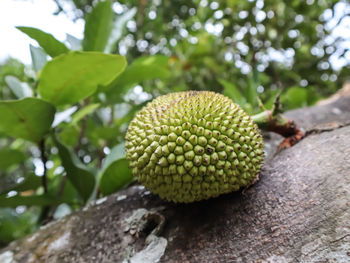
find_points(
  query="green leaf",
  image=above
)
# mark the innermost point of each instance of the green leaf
(143, 68)
(39, 58)
(51, 45)
(21, 90)
(79, 175)
(32, 182)
(39, 200)
(98, 26)
(115, 171)
(72, 77)
(29, 118)
(231, 91)
(118, 27)
(9, 157)
(83, 112)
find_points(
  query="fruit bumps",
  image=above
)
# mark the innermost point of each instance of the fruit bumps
(194, 145)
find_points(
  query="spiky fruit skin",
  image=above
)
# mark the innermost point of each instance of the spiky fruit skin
(194, 145)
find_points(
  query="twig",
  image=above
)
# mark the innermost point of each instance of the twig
(274, 121)
(83, 128)
(43, 160)
(46, 209)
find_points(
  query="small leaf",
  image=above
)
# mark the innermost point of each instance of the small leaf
(51, 45)
(98, 26)
(39, 58)
(63, 116)
(72, 77)
(75, 43)
(29, 118)
(39, 200)
(115, 172)
(118, 26)
(83, 112)
(32, 182)
(9, 157)
(80, 176)
(21, 90)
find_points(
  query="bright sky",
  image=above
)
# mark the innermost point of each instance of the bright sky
(33, 13)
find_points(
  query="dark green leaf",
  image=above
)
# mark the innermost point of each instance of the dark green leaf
(98, 26)
(39, 58)
(39, 200)
(115, 171)
(51, 45)
(29, 118)
(80, 176)
(32, 182)
(72, 77)
(21, 90)
(9, 157)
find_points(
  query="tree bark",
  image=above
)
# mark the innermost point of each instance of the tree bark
(299, 211)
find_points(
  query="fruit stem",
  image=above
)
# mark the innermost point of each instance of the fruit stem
(274, 121)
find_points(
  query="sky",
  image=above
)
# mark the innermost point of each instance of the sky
(33, 13)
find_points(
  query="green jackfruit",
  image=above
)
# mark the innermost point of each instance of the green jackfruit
(194, 145)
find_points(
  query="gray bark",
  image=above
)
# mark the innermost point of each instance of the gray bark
(299, 211)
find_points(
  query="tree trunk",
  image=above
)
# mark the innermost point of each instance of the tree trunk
(299, 211)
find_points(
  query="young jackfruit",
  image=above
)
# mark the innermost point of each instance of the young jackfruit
(193, 145)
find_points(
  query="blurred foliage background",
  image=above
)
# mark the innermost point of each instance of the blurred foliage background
(60, 150)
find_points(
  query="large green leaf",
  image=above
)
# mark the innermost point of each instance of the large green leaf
(29, 118)
(51, 45)
(98, 26)
(9, 157)
(72, 77)
(115, 172)
(80, 176)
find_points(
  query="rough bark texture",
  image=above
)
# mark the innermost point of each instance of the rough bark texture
(299, 211)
